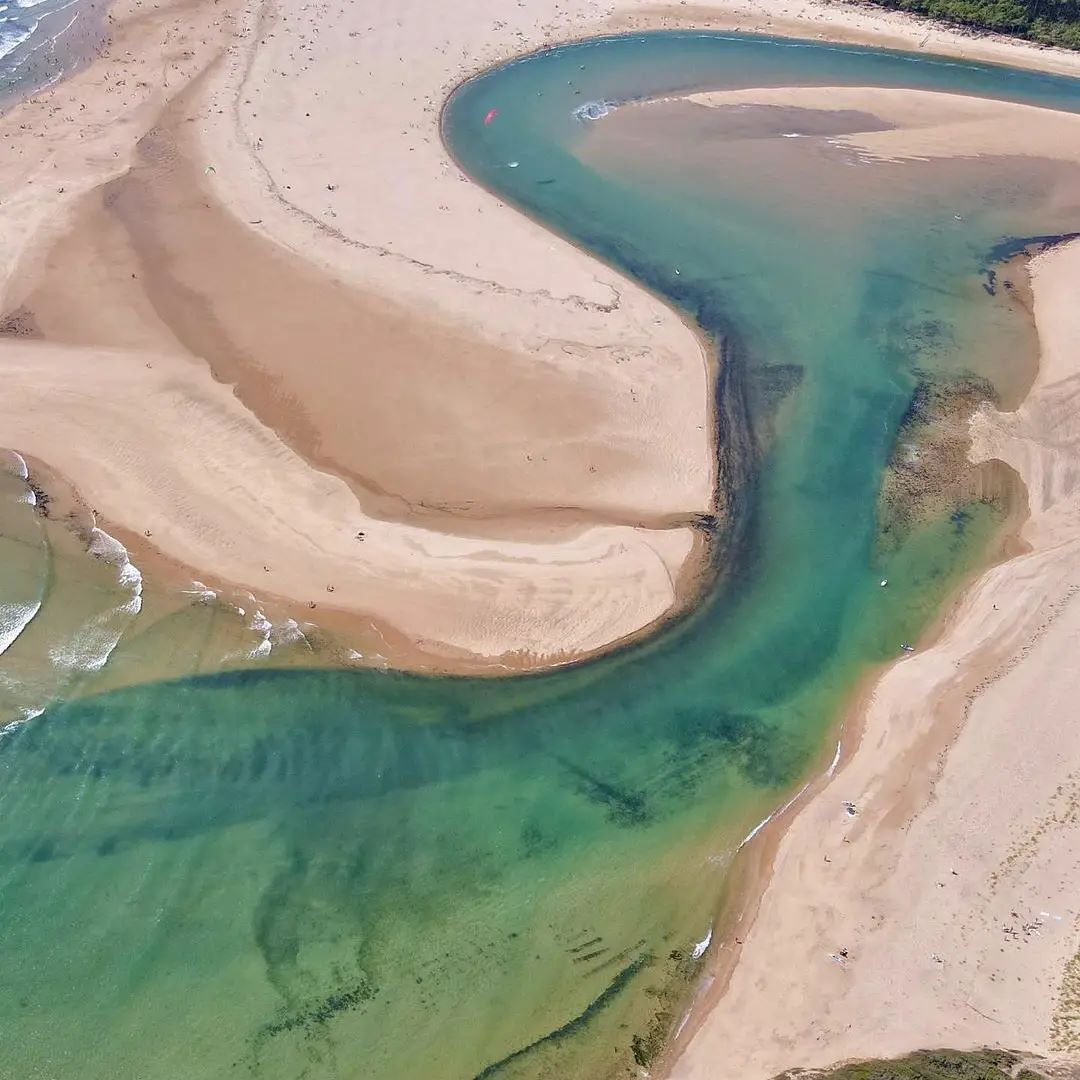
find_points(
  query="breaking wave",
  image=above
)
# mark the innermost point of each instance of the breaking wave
(287, 632)
(93, 643)
(16, 613)
(203, 594)
(595, 110)
(14, 619)
(16, 465)
(12, 36)
(26, 717)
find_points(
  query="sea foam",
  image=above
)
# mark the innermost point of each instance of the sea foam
(27, 716)
(15, 616)
(288, 632)
(16, 465)
(12, 36)
(93, 643)
(702, 946)
(203, 593)
(595, 110)
(14, 619)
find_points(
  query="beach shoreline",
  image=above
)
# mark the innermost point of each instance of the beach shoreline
(240, 179)
(672, 477)
(62, 40)
(751, 873)
(644, 531)
(907, 780)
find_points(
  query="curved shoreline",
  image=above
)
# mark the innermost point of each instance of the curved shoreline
(910, 788)
(751, 874)
(796, 1063)
(239, 150)
(643, 587)
(644, 630)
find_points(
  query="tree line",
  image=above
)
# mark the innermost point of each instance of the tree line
(1051, 22)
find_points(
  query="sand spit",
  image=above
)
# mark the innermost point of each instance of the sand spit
(315, 130)
(222, 156)
(482, 455)
(227, 493)
(924, 125)
(953, 890)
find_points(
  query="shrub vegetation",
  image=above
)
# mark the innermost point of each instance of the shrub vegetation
(928, 1065)
(1050, 22)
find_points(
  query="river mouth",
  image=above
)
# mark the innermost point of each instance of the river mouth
(355, 874)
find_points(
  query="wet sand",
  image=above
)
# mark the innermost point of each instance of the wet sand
(919, 125)
(311, 146)
(312, 540)
(457, 367)
(499, 444)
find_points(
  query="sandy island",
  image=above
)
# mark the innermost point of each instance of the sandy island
(154, 207)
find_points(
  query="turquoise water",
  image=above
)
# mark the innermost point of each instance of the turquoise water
(332, 874)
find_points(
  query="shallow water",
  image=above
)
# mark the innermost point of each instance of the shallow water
(339, 874)
(41, 41)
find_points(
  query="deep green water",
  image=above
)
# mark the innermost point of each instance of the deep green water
(313, 874)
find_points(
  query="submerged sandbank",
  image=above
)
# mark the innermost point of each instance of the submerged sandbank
(920, 125)
(952, 892)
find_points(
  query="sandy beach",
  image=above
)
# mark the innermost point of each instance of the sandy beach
(480, 469)
(214, 144)
(529, 442)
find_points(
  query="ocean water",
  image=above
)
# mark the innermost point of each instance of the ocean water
(41, 41)
(313, 874)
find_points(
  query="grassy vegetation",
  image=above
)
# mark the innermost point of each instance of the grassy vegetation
(1051, 22)
(927, 1065)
